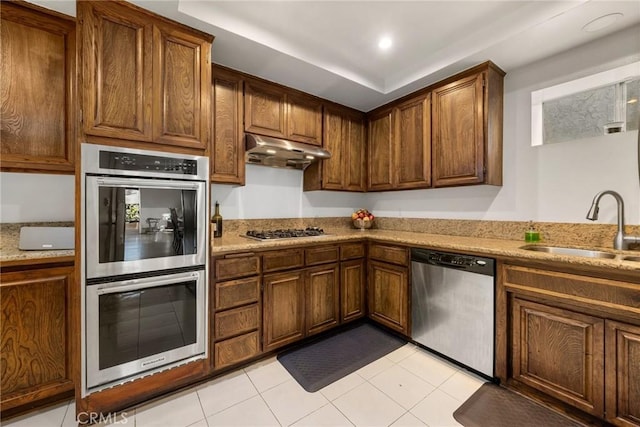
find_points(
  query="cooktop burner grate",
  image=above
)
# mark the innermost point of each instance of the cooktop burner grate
(289, 233)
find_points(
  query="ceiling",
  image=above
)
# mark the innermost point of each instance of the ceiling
(330, 48)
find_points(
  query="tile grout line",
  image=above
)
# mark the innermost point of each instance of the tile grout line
(261, 396)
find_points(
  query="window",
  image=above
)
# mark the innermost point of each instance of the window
(601, 104)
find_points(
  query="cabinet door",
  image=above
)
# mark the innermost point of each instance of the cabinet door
(304, 116)
(322, 288)
(35, 341)
(380, 151)
(264, 109)
(117, 71)
(560, 353)
(182, 79)
(458, 133)
(352, 290)
(355, 150)
(622, 392)
(37, 90)
(227, 151)
(283, 309)
(412, 155)
(333, 177)
(388, 295)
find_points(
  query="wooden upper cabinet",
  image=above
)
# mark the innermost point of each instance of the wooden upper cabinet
(227, 150)
(37, 89)
(144, 78)
(467, 129)
(183, 87)
(264, 109)
(117, 71)
(345, 138)
(304, 119)
(412, 154)
(380, 151)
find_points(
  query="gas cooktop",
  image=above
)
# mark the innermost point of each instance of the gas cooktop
(290, 233)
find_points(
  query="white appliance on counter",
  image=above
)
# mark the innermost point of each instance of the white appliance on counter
(144, 286)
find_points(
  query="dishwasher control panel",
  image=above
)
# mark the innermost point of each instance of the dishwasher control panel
(466, 262)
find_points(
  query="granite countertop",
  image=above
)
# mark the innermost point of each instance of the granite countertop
(10, 238)
(476, 245)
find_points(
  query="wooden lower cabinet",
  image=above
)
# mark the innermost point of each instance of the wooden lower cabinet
(322, 288)
(235, 350)
(388, 297)
(352, 290)
(35, 346)
(283, 308)
(622, 372)
(560, 353)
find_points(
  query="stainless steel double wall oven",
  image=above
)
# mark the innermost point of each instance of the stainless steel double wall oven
(144, 262)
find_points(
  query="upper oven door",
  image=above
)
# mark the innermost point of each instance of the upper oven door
(138, 224)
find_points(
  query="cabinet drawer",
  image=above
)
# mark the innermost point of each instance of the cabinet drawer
(236, 265)
(236, 349)
(282, 260)
(392, 254)
(321, 255)
(233, 322)
(351, 251)
(235, 293)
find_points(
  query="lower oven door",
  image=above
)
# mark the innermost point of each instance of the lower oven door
(141, 325)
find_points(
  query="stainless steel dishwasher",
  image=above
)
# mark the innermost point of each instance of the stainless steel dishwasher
(452, 307)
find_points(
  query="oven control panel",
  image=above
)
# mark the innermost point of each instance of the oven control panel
(144, 162)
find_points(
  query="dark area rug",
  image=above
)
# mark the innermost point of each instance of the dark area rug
(494, 406)
(320, 363)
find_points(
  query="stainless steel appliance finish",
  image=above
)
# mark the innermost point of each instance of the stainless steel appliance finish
(135, 326)
(453, 300)
(620, 240)
(163, 185)
(282, 153)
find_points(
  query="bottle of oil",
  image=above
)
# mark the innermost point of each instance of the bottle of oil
(216, 222)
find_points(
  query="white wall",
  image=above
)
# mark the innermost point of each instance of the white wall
(28, 197)
(547, 183)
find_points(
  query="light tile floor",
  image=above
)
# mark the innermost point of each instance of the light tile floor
(408, 387)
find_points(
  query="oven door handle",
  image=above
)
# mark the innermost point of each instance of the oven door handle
(147, 183)
(138, 284)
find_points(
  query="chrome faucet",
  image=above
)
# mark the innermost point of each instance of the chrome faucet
(620, 241)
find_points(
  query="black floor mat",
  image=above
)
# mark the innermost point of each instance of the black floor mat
(494, 406)
(322, 362)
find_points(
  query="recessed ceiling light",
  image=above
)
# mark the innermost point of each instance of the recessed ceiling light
(602, 22)
(385, 43)
(632, 101)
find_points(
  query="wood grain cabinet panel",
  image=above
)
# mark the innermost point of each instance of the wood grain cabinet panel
(145, 78)
(282, 260)
(183, 87)
(622, 372)
(304, 115)
(352, 290)
(351, 251)
(236, 265)
(467, 129)
(386, 253)
(412, 154)
(321, 254)
(322, 289)
(283, 309)
(560, 353)
(228, 149)
(236, 350)
(35, 346)
(117, 71)
(236, 321)
(388, 296)
(37, 90)
(264, 109)
(380, 152)
(344, 136)
(234, 293)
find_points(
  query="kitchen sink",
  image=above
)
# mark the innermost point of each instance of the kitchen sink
(631, 258)
(559, 250)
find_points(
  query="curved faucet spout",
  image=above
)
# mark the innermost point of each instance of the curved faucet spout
(620, 241)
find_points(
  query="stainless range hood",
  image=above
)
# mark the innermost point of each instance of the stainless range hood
(281, 153)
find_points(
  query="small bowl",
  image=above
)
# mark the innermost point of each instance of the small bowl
(362, 224)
